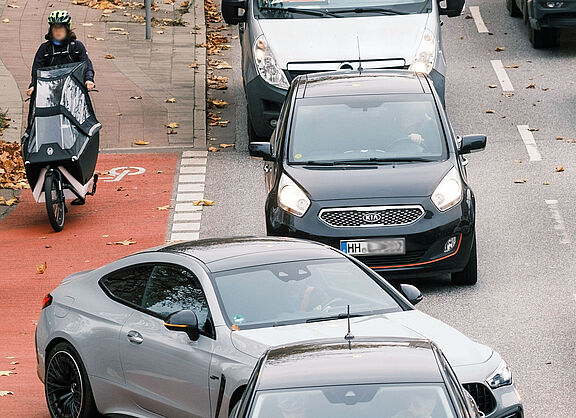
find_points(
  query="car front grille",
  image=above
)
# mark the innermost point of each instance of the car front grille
(371, 216)
(483, 397)
(391, 260)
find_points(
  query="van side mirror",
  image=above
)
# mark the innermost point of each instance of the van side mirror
(453, 8)
(231, 11)
(184, 321)
(412, 293)
(261, 149)
(472, 143)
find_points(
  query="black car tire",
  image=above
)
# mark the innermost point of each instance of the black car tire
(65, 372)
(543, 38)
(468, 276)
(513, 9)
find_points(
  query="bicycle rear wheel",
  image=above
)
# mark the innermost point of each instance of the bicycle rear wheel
(55, 203)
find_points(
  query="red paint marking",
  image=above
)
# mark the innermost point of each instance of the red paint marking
(24, 235)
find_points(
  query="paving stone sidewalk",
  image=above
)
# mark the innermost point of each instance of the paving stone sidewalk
(154, 70)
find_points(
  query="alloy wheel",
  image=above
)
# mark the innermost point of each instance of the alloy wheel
(64, 389)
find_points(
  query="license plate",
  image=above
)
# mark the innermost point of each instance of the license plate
(385, 246)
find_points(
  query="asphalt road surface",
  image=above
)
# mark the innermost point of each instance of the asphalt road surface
(524, 304)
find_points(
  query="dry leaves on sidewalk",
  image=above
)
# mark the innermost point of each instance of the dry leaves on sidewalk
(216, 120)
(211, 12)
(12, 174)
(170, 100)
(218, 64)
(227, 145)
(213, 149)
(140, 142)
(41, 268)
(217, 103)
(109, 56)
(10, 202)
(217, 82)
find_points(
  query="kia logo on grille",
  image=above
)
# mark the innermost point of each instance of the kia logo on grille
(371, 217)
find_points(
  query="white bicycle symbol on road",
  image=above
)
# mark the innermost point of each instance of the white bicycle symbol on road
(118, 173)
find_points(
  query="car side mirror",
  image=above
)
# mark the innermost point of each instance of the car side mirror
(453, 8)
(261, 149)
(472, 143)
(184, 321)
(231, 11)
(411, 293)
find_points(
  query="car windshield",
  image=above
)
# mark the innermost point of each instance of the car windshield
(300, 291)
(366, 128)
(382, 401)
(343, 8)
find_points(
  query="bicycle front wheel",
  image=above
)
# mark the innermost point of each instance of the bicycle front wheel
(55, 203)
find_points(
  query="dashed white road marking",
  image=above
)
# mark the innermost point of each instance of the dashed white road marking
(530, 143)
(559, 224)
(480, 25)
(502, 75)
(187, 217)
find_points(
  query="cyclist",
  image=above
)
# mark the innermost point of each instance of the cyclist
(61, 47)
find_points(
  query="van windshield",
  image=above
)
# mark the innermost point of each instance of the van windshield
(288, 9)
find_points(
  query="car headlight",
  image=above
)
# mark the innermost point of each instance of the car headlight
(502, 376)
(426, 54)
(267, 66)
(291, 198)
(449, 192)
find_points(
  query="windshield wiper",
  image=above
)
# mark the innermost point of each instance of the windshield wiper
(296, 10)
(360, 10)
(333, 317)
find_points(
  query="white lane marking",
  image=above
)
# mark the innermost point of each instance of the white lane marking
(192, 169)
(186, 227)
(188, 154)
(559, 224)
(189, 197)
(197, 161)
(184, 236)
(530, 143)
(187, 207)
(480, 25)
(502, 75)
(190, 187)
(187, 216)
(191, 178)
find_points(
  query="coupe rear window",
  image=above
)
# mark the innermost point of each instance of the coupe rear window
(367, 127)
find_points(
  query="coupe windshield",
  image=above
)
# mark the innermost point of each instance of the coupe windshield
(300, 291)
(343, 8)
(382, 401)
(365, 128)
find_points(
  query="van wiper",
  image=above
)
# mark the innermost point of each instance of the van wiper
(296, 10)
(333, 317)
(360, 10)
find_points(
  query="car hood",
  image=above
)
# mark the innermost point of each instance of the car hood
(335, 39)
(380, 181)
(459, 349)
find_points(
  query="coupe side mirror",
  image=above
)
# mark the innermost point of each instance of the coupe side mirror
(453, 8)
(261, 149)
(411, 293)
(184, 321)
(234, 11)
(472, 143)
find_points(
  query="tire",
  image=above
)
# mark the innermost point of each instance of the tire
(66, 378)
(55, 203)
(468, 276)
(513, 9)
(543, 38)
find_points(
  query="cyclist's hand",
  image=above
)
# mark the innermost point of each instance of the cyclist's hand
(416, 138)
(30, 91)
(90, 85)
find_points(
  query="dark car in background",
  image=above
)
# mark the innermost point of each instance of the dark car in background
(384, 378)
(367, 162)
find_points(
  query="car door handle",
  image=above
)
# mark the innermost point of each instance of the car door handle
(267, 168)
(135, 337)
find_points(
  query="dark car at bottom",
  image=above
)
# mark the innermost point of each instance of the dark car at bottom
(367, 162)
(348, 377)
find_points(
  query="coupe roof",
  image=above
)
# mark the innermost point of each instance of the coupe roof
(346, 83)
(364, 361)
(221, 254)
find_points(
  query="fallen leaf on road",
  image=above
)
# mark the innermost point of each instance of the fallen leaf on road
(217, 82)
(118, 114)
(160, 32)
(136, 97)
(492, 86)
(41, 268)
(559, 169)
(545, 88)
(213, 149)
(90, 36)
(219, 64)
(120, 189)
(227, 145)
(531, 86)
(511, 66)
(117, 29)
(6, 392)
(217, 103)
(87, 24)
(5, 372)
(499, 49)
(173, 125)
(5, 20)
(518, 161)
(109, 56)
(139, 142)
(559, 138)
(533, 129)
(105, 236)
(520, 181)
(193, 65)
(166, 207)
(170, 100)
(546, 183)
(490, 111)
(13, 6)
(507, 94)
(172, 132)
(99, 39)
(571, 140)
(10, 202)
(14, 362)
(127, 241)
(468, 17)
(203, 202)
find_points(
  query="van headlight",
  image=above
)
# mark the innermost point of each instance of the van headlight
(292, 198)
(449, 192)
(426, 54)
(502, 376)
(267, 66)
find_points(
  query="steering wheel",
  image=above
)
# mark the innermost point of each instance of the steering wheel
(403, 140)
(328, 305)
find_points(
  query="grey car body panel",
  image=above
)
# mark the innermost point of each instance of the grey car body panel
(147, 380)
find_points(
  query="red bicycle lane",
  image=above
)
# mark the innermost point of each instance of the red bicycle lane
(125, 207)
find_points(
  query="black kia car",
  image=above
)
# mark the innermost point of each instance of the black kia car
(367, 162)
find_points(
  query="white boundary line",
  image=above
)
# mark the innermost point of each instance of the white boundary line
(502, 75)
(530, 143)
(480, 25)
(559, 224)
